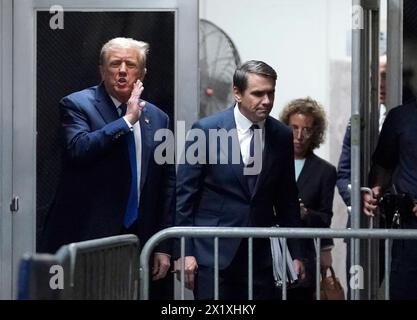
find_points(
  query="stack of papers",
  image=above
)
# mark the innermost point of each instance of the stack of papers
(277, 250)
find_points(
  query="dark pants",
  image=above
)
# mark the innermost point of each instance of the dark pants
(233, 280)
(299, 294)
(162, 289)
(403, 278)
(305, 290)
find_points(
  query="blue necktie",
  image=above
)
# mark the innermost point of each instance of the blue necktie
(131, 213)
(252, 178)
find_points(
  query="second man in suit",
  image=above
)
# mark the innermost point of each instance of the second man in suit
(222, 193)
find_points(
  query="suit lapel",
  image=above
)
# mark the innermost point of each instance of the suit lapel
(107, 110)
(267, 155)
(230, 124)
(147, 138)
(105, 105)
(303, 177)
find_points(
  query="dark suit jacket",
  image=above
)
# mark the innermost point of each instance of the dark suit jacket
(218, 194)
(316, 185)
(343, 168)
(92, 196)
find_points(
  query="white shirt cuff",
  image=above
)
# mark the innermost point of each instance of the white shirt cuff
(128, 124)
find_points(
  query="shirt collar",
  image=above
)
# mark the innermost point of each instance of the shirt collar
(243, 123)
(116, 102)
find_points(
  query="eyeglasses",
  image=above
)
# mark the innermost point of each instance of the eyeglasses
(306, 133)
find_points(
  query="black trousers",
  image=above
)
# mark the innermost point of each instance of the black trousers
(162, 289)
(233, 280)
(403, 278)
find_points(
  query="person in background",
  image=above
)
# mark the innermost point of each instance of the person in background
(316, 180)
(110, 183)
(394, 169)
(343, 169)
(344, 165)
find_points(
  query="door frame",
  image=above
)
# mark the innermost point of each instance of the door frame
(6, 145)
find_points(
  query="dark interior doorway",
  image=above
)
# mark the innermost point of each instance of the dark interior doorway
(67, 61)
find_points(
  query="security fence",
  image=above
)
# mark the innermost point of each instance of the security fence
(106, 268)
(285, 233)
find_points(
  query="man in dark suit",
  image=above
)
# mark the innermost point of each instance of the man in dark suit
(110, 183)
(316, 179)
(394, 169)
(215, 191)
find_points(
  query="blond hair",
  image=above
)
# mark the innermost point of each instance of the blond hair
(126, 43)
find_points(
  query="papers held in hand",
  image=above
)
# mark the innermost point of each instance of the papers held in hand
(277, 250)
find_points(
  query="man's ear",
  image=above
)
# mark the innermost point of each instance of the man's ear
(237, 94)
(142, 76)
(101, 72)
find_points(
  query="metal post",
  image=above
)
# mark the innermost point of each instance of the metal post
(250, 268)
(284, 269)
(394, 53)
(371, 132)
(317, 245)
(182, 268)
(7, 283)
(387, 267)
(358, 58)
(365, 62)
(216, 268)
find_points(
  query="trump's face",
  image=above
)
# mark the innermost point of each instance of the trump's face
(120, 70)
(256, 101)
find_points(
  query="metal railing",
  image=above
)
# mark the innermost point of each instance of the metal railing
(250, 233)
(106, 268)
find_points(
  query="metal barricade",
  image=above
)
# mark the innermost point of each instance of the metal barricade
(106, 268)
(293, 233)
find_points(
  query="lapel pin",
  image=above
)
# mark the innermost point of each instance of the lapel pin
(147, 120)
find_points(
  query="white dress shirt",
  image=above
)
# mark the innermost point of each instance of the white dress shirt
(244, 133)
(382, 115)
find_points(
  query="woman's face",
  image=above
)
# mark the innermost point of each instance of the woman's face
(302, 129)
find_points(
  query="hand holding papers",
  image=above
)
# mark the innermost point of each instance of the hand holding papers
(278, 250)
